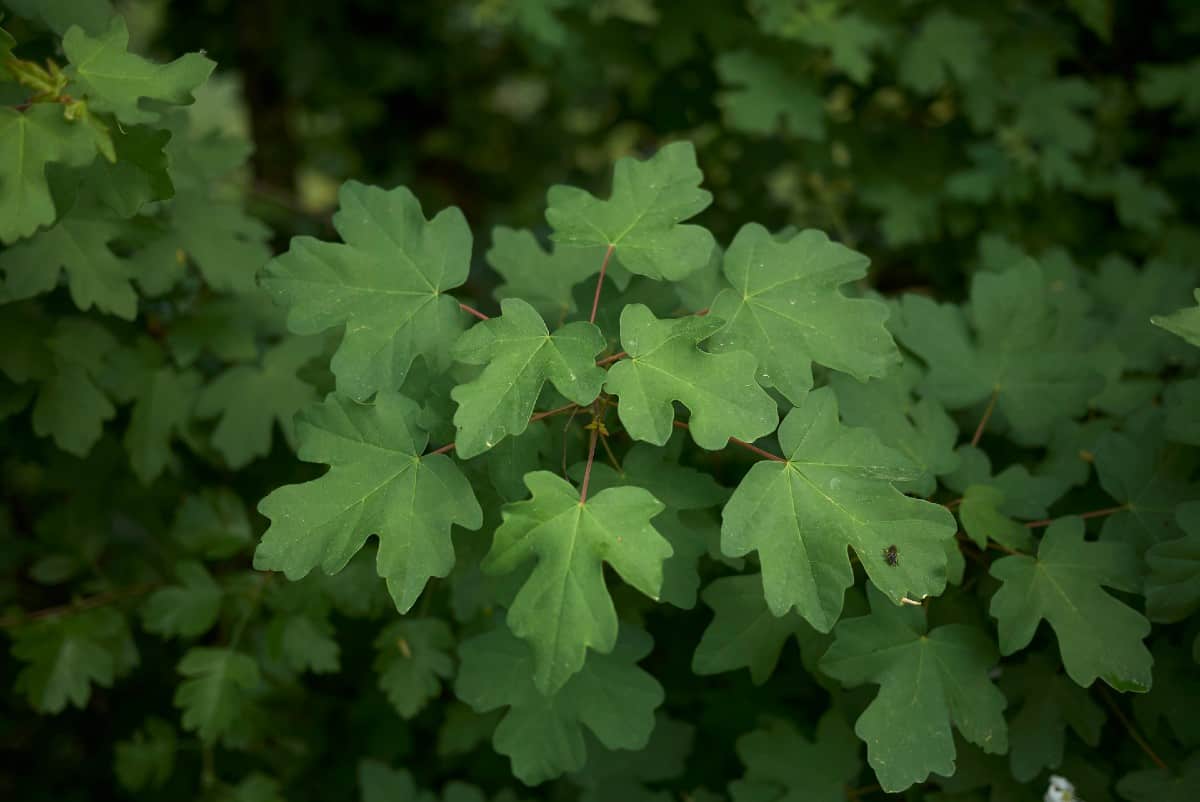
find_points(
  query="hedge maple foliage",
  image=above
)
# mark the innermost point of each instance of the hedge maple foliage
(864, 326)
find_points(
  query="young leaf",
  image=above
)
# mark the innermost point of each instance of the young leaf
(251, 400)
(642, 221)
(564, 607)
(1173, 583)
(187, 609)
(781, 764)
(520, 356)
(212, 695)
(787, 309)
(387, 285)
(833, 491)
(1036, 379)
(743, 632)
(1046, 703)
(1063, 586)
(29, 141)
(65, 656)
(1185, 322)
(665, 365)
(378, 484)
(543, 734)
(114, 80)
(412, 657)
(927, 682)
(767, 97)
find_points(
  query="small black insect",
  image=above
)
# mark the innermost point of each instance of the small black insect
(891, 556)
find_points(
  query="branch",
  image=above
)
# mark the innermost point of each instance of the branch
(442, 450)
(587, 469)
(608, 360)
(748, 446)
(600, 282)
(1133, 733)
(91, 602)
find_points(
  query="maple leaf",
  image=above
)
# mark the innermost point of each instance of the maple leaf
(1063, 586)
(212, 524)
(783, 765)
(1185, 322)
(642, 221)
(378, 484)
(665, 365)
(66, 655)
(147, 759)
(387, 285)
(187, 609)
(1163, 785)
(213, 694)
(619, 774)
(919, 429)
(1172, 85)
(543, 734)
(520, 355)
(112, 79)
(29, 141)
(543, 279)
(947, 46)
(564, 607)
(251, 399)
(1037, 379)
(834, 490)
(1173, 581)
(683, 491)
(71, 406)
(412, 657)
(163, 408)
(1181, 399)
(785, 307)
(768, 97)
(1046, 703)
(928, 680)
(744, 633)
(60, 15)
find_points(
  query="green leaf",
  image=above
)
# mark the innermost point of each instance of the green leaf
(117, 81)
(146, 760)
(60, 15)
(29, 141)
(1173, 582)
(543, 735)
(1063, 585)
(67, 655)
(71, 407)
(304, 642)
(623, 775)
(387, 285)
(163, 409)
(1163, 785)
(139, 175)
(564, 607)
(834, 491)
(381, 783)
(1095, 14)
(1167, 85)
(982, 519)
(378, 484)
(642, 221)
(543, 279)
(927, 682)
(665, 364)
(412, 658)
(214, 690)
(786, 308)
(781, 764)
(743, 632)
(212, 524)
(1128, 297)
(187, 609)
(1182, 399)
(520, 356)
(1184, 323)
(251, 399)
(767, 97)
(946, 47)
(1046, 703)
(78, 244)
(684, 491)
(1038, 379)
(227, 245)
(919, 429)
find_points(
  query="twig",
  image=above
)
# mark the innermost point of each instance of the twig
(89, 603)
(748, 446)
(1133, 733)
(442, 450)
(608, 360)
(472, 311)
(600, 282)
(1090, 514)
(587, 468)
(550, 413)
(987, 413)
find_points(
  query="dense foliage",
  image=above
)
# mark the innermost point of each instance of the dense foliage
(864, 325)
